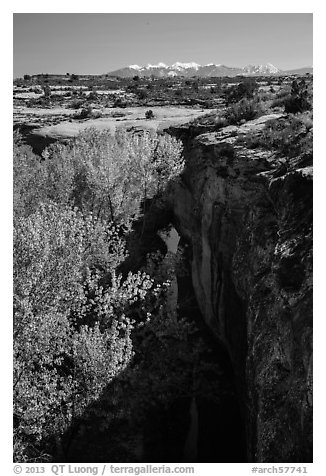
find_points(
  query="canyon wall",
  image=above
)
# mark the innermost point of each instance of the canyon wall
(247, 216)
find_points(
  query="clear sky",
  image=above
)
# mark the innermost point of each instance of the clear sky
(95, 43)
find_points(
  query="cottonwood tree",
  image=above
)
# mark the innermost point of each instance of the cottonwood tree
(72, 336)
(74, 314)
(111, 176)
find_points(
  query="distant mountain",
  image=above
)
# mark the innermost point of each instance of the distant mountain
(161, 70)
(262, 69)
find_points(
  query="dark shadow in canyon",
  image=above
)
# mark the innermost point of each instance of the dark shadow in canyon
(208, 428)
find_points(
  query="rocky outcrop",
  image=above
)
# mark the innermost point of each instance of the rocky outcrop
(247, 215)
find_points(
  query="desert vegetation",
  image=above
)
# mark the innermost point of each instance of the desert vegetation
(208, 92)
(46, 100)
(289, 136)
(246, 101)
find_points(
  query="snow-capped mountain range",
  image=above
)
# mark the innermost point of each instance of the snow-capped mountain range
(162, 70)
(261, 69)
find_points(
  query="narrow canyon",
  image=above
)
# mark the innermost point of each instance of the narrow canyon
(246, 216)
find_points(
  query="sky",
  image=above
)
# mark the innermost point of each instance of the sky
(98, 43)
(93, 43)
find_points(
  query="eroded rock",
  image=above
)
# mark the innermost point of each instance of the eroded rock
(248, 217)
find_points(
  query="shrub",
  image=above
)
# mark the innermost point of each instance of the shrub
(142, 94)
(85, 113)
(119, 102)
(179, 93)
(243, 110)
(220, 122)
(299, 100)
(280, 101)
(290, 136)
(47, 91)
(243, 90)
(149, 114)
(76, 103)
(92, 96)
(96, 114)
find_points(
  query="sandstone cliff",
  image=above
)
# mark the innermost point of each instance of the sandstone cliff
(247, 215)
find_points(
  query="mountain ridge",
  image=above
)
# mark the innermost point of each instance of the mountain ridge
(190, 69)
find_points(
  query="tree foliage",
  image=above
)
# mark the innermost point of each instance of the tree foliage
(78, 322)
(244, 110)
(300, 99)
(109, 176)
(69, 343)
(244, 90)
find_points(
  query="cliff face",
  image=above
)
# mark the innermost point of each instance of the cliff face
(248, 218)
